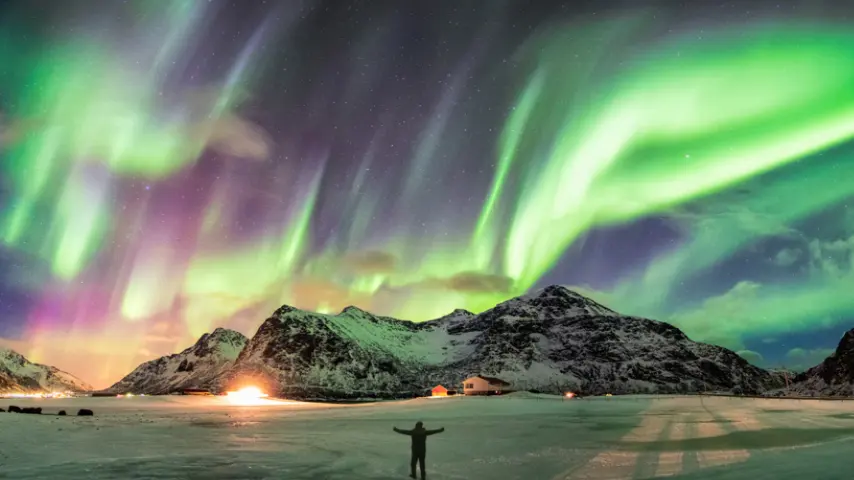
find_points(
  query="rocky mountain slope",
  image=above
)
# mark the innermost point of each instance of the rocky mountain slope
(832, 377)
(199, 366)
(19, 375)
(553, 340)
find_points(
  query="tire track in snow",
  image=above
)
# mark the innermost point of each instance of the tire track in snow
(649, 460)
(711, 425)
(620, 464)
(671, 463)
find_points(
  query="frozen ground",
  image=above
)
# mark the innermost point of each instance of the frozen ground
(486, 438)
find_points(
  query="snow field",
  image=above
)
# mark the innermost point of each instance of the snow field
(514, 437)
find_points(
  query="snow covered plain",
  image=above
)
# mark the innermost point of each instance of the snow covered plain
(513, 437)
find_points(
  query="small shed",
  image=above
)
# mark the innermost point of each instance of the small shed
(439, 391)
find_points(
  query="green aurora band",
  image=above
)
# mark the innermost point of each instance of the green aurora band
(674, 129)
(679, 127)
(678, 124)
(86, 107)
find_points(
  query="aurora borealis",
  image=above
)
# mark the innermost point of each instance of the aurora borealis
(173, 166)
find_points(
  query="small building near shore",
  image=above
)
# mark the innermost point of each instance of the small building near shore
(104, 394)
(482, 385)
(439, 391)
(196, 391)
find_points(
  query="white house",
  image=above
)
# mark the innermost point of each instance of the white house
(481, 385)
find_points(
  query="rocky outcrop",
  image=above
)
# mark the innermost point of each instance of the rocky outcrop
(199, 366)
(833, 377)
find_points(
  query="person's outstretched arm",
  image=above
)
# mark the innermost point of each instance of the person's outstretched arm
(402, 432)
(433, 432)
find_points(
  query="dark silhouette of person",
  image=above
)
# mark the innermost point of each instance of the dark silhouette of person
(419, 446)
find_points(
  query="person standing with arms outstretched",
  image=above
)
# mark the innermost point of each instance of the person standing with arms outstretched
(419, 446)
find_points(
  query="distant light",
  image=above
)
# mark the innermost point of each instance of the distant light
(569, 395)
(37, 395)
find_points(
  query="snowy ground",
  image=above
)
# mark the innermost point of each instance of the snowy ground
(519, 437)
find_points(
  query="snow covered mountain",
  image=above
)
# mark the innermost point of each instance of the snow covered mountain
(19, 375)
(553, 339)
(832, 377)
(196, 367)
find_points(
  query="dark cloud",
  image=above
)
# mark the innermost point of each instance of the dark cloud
(754, 358)
(324, 296)
(464, 282)
(787, 257)
(240, 138)
(800, 359)
(312, 294)
(371, 262)
(833, 259)
(14, 130)
(476, 282)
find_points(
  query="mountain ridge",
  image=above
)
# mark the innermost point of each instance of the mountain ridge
(19, 375)
(552, 339)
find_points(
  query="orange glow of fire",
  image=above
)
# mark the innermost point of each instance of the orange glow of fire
(569, 395)
(246, 396)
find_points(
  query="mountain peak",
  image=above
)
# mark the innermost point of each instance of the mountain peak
(561, 299)
(221, 341)
(354, 310)
(9, 353)
(285, 309)
(846, 344)
(459, 315)
(553, 291)
(198, 366)
(226, 334)
(832, 377)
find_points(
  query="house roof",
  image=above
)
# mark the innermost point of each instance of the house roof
(492, 380)
(439, 388)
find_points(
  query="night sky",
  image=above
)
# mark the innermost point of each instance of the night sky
(173, 166)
